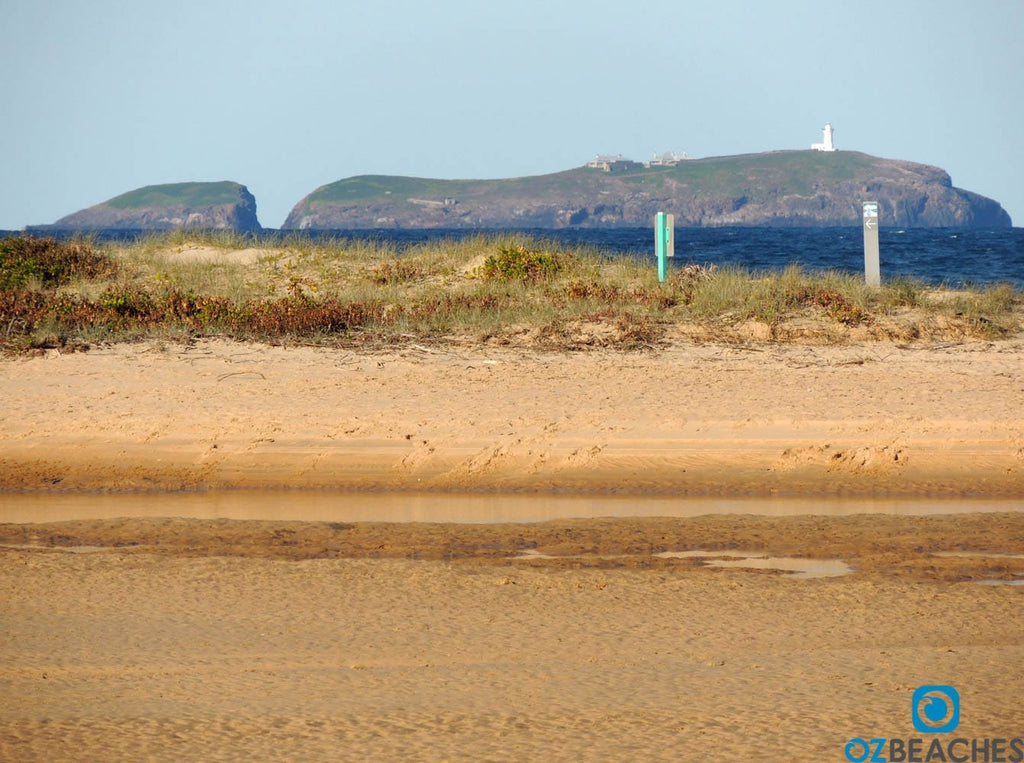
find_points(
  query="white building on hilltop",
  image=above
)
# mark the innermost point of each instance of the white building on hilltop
(667, 159)
(826, 142)
(612, 163)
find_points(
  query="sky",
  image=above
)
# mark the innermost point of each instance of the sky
(103, 97)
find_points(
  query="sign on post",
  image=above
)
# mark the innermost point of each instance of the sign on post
(872, 269)
(664, 241)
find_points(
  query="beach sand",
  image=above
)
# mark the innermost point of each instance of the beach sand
(217, 640)
(870, 418)
(179, 639)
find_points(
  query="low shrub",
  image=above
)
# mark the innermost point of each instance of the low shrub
(48, 263)
(302, 316)
(394, 272)
(578, 289)
(517, 263)
(839, 307)
(128, 302)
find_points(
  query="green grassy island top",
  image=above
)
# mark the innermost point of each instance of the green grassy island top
(787, 171)
(178, 195)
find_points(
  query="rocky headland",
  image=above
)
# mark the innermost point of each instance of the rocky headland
(202, 206)
(778, 188)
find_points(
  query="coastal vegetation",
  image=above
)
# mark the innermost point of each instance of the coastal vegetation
(495, 289)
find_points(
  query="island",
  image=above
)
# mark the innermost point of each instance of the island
(809, 188)
(222, 205)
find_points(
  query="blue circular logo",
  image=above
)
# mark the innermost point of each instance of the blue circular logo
(935, 709)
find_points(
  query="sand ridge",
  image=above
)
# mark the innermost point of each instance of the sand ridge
(690, 418)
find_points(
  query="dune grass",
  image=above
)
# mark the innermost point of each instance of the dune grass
(505, 289)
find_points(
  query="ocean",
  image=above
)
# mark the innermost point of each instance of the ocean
(936, 256)
(953, 257)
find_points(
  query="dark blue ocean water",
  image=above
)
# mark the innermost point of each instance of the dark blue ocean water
(933, 255)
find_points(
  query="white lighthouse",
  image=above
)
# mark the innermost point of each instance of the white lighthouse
(826, 140)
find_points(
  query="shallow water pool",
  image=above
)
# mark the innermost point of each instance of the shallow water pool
(323, 505)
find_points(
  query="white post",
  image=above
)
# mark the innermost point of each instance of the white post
(872, 268)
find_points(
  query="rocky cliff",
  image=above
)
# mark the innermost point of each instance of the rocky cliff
(206, 206)
(780, 188)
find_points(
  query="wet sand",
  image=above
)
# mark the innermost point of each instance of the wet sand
(575, 640)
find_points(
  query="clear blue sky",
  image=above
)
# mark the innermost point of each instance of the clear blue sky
(105, 96)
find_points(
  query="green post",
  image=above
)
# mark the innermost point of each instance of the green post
(664, 242)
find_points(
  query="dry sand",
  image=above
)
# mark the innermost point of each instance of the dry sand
(174, 639)
(693, 418)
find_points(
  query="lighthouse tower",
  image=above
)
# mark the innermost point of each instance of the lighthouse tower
(826, 143)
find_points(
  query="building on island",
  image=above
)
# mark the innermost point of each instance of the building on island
(612, 163)
(826, 142)
(619, 163)
(667, 159)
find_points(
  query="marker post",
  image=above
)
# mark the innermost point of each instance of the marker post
(872, 269)
(664, 242)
